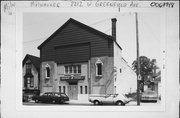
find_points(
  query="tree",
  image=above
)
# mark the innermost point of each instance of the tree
(146, 69)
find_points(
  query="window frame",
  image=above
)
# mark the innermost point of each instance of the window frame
(28, 67)
(86, 90)
(74, 68)
(97, 68)
(64, 89)
(60, 89)
(81, 89)
(46, 71)
(31, 82)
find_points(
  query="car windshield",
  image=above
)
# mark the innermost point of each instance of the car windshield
(45, 94)
(63, 95)
(56, 94)
(111, 95)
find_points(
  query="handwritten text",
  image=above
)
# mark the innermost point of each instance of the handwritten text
(162, 4)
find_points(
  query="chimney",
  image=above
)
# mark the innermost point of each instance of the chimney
(114, 28)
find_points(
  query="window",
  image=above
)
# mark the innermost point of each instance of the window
(85, 89)
(99, 67)
(45, 94)
(56, 94)
(72, 69)
(79, 68)
(64, 89)
(114, 89)
(25, 82)
(28, 67)
(60, 89)
(81, 90)
(31, 82)
(120, 70)
(47, 71)
(66, 69)
(28, 82)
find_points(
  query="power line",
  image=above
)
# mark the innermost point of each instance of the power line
(107, 30)
(100, 21)
(149, 28)
(34, 40)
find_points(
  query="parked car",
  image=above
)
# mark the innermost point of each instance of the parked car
(51, 97)
(25, 98)
(117, 99)
(149, 96)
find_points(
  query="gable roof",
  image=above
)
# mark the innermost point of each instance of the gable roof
(71, 20)
(35, 60)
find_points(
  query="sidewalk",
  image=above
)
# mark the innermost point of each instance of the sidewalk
(79, 102)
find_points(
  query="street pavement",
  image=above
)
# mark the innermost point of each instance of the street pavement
(87, 103)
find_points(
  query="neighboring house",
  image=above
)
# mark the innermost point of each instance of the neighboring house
(154, 83)
(80, 60)
(127, 79)
(31, 75)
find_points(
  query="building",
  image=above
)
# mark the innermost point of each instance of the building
(31, 74)
(154, 83)
(127, 79)
(80, 60)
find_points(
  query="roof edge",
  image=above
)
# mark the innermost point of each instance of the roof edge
(81, 24)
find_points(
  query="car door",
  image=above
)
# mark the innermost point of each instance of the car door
(43, 98)
(108, 99)
(49, 97)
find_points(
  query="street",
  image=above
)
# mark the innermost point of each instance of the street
(86, 103)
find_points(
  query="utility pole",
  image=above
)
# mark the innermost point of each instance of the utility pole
(138, 63)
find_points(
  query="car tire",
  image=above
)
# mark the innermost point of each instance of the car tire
(36, 101)
(62, 101)
(96, 102)
(53, 101)
(120, 103)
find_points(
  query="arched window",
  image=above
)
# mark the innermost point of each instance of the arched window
(47, 71)
(99, 65)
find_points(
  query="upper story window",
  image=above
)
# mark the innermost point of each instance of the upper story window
(72, 69)
(47, 71)
(28, 67)
(99, 65)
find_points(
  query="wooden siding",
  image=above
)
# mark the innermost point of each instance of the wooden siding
(78, 52)
(75, 34)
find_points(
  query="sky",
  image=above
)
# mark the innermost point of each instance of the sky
(37, 27)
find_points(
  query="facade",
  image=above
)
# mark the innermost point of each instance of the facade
(79, 60)
(31, 75)
(126, 81)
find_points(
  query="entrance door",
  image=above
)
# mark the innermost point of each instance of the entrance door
(73, 92)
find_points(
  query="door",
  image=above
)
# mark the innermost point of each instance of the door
(73, 92)
(44, 97)
(108, 99)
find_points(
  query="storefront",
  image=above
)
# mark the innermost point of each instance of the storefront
(73, 80)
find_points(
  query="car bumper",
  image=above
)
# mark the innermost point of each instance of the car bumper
(148, 99)
(90, 101)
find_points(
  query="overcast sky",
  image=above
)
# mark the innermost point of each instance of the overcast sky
(37, 27)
